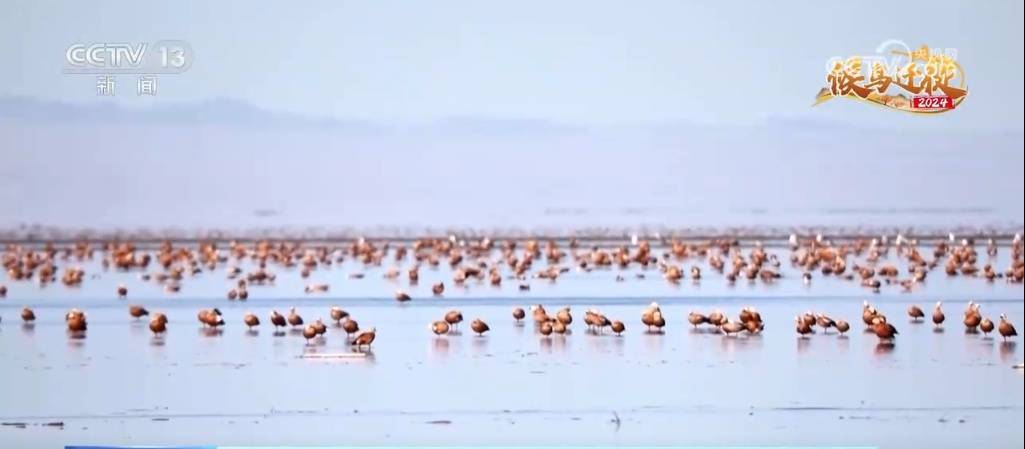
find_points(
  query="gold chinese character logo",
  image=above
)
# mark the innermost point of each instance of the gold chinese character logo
(926, 80)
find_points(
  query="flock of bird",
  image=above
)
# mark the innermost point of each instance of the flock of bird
(474, 260)
(748, 321)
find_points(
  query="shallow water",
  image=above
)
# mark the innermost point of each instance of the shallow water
(120, 385)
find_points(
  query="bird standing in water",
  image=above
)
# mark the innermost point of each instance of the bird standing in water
(1006, 329)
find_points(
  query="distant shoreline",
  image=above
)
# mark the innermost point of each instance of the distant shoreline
(592, 236)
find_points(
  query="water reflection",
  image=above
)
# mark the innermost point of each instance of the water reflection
(137, 328)
(1007, 350)
(618, 342)
(843, 343)
(803, 344)
(884, 348)
(559, 343)
(211, 331)
(28, 328)
(440, 347)
(545, 344)
(654, 342)
(480, 344)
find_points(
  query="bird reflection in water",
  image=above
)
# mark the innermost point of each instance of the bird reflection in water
(653, 342)
(884, 348)
(440, 347)
(480, 345)
(546, 344)
(559, 343)
(211, 331)
(1007, 350)
(843, 343)
(803, 344)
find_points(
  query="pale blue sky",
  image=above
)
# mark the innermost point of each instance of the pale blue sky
(587, 62)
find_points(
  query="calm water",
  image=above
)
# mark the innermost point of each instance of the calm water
(225, 177)
(120, 385)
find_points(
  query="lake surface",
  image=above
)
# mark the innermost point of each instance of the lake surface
(77, 175)
(120, 385)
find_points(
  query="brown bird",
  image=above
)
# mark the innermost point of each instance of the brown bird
(824, 322)
(210, 317)
(753, 327)
(915, 313)
(594, 319)
(937, 314)
(564, 317)
(986, 326)
(76, 321)
(122, 291)
(558, 327)
(454, 317)
(137, 311)
(972, 317)
(158, 324)
(842, 326)
(479, 326)
(518, 313)
(868, 313)
(438, 288)
(350, 326)
(309, 333)
(365, 338)
(696, 319)
(27, 315)
(320, 327)
(546, 328)
(232, 294)
(338, 314)
(618, 327)
(251, 320)
(731, 327)
(293, 318)
(1006, 329)
(277, 319)
(652, 317)
(539, 313)
(803, 327)
(749, 314)
(884, 330)
(440, 327)
(716, 318)
(402, 296)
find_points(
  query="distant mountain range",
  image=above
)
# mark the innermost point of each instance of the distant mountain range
(232, 112)
(235, 112)
(218, 111)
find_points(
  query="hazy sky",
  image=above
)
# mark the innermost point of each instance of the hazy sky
(587, 62)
